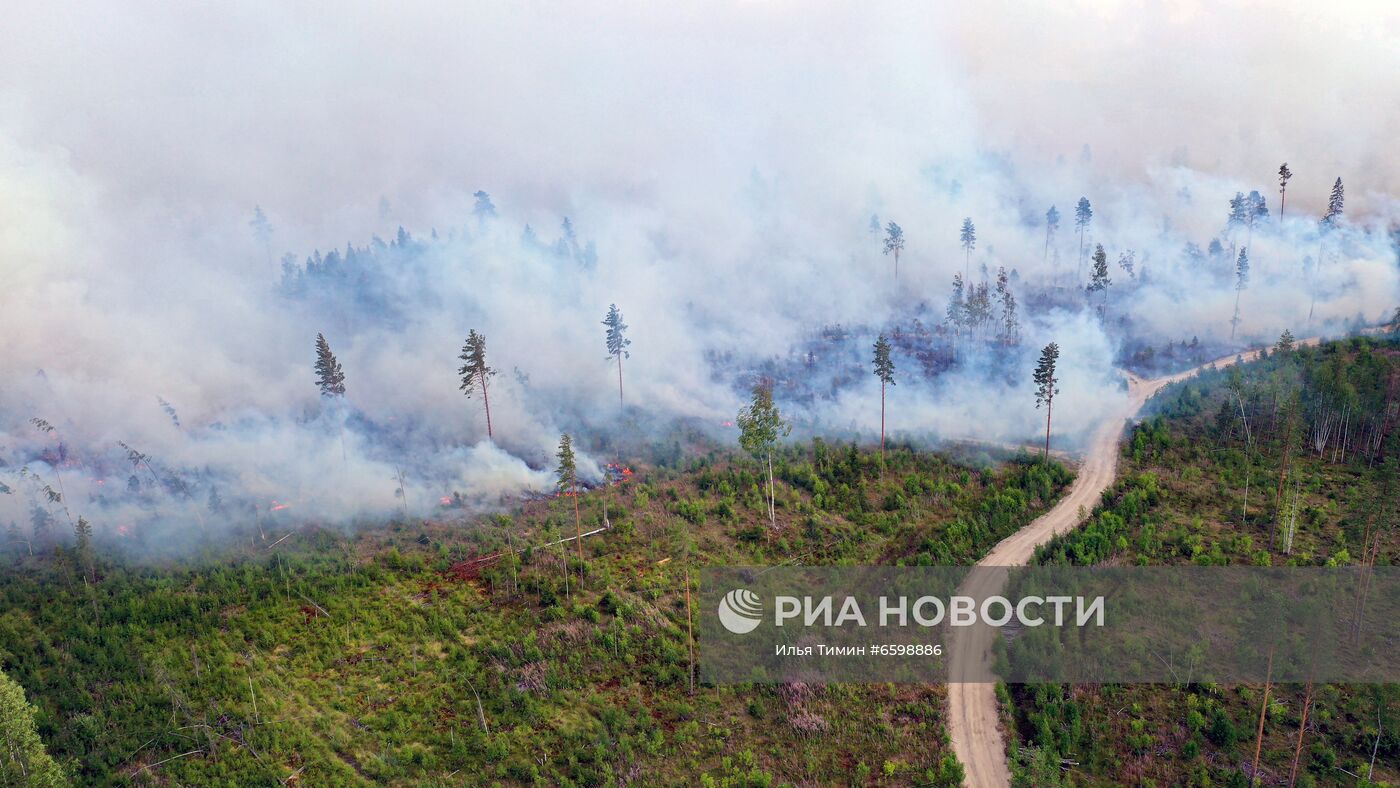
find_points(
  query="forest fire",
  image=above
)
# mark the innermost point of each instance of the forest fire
(615, 474)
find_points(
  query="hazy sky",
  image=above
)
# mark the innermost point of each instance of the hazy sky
(174, 112)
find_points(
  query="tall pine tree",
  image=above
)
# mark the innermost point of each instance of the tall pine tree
(1010, 326)
(1284, 176)
(884, 370)
(1052, 225)
(1099, 281)
(1241, 284)
(566, 483)
(1083, 216)
(617, 343)
(1330, 220)
(968, 238)
(1256, 213)
(894, 244)
(1239, 212)
(1046, 386)
(1335, 204)
(475, 372)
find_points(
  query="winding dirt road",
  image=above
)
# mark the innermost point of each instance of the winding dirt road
(973, 721)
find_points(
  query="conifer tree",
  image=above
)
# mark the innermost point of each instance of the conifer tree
(957, 306)
(483, 208)
(1256, 213)
(968, 238)
(1083, 216)
(1010, 326)
(1241, 283)
(475, 372)
(894, 244)
(884, 370)
(329, 377)
(1052, 226)
(617, 343)
(566, 483)
(1239, 212)
(82, 534)
(1284, 175)
(978, 308)
(1046, 386)
(1330, 221)
(760, 427)
(1335, 204)
(1285, 342)
(1100, 282)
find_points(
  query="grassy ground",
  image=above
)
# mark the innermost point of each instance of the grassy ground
(1181, 499)
(400, 657)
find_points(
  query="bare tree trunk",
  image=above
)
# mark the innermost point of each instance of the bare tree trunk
(1302, 728)
(480, 711)
(882, 424)
(619, 380)
(1048, 404)
(486, 399)
(1235, 321)
(1370, 770)
(578, 530)
(1284, 467)
(403, 490)
(1312, 286)
(772, 509)
(1079, 261)
(1259, 737)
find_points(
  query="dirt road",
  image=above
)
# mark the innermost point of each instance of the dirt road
(972, 706)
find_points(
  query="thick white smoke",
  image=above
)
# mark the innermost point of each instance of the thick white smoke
(723, 161)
